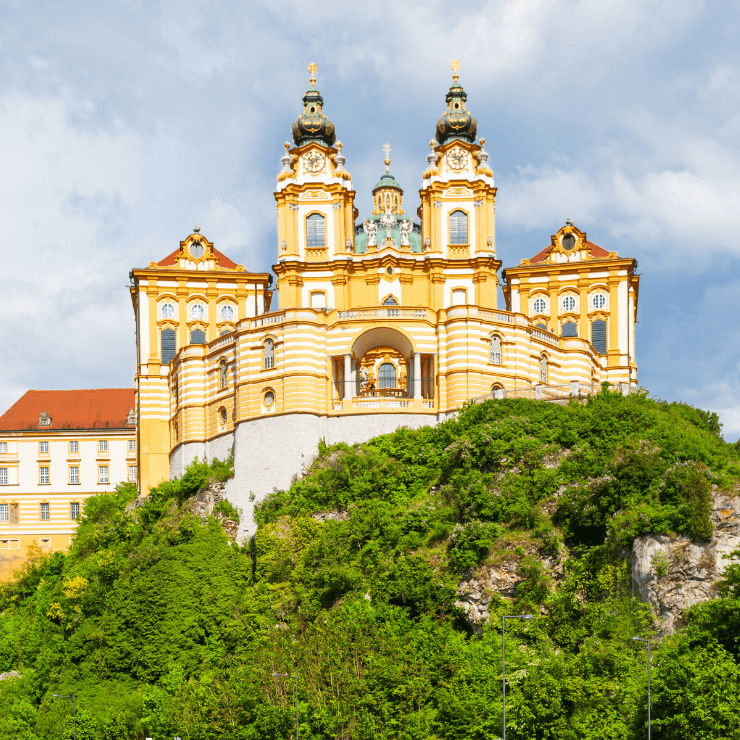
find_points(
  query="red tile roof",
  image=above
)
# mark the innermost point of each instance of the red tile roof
(96, 408)
(597, 252)
(223, 260)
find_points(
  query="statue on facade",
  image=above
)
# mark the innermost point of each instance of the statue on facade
(388, 221)
(371, 229)
(363, 379)
(405, 227)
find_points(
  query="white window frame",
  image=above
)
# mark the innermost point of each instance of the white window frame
(43, 482)
(535, 301)
(102, 445)
(596, 296)
(4, 513)
(72, 514)
(543, 368)
(132, 445)
(44, 508)
(74, 446)
(3, 448)
(103, 477)
(74, 475)
(496, 350)
(3, 476)
(268, 359)
(44, 448)
(568, 298)
(132, 473)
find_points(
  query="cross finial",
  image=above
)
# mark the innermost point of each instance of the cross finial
(454, 66)
(312, 70)
(387, 161)
(196, 230)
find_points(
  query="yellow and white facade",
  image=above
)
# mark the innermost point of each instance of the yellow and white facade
(58, 448)
(382, 321)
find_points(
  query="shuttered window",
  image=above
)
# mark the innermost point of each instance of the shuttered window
(387, 375)
(598, 336)
(570, 329)
(458, 227)
(168, 346)
(197, 336)
(315, 231)
(496, 350)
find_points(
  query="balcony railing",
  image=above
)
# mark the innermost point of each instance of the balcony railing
(383, 312)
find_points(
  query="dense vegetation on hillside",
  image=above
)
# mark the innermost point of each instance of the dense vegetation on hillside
(166, 628)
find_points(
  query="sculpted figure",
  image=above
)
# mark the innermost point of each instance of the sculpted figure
(405, 228)
(388, 221)
(371, 229)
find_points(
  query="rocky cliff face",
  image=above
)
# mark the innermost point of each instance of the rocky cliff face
(673, 574)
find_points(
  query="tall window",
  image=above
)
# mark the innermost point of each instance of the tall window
(132, 473)
(197, 336)
(103, 445)
(387, 375)
(74, 474)
(570, 329)
(74, 511)
(496, 349)
(74, 446)
(3, 476)
(222, 373)
(269, 354)
(598, 336)
(44, 512)
(132, 445)
(458, 227)
(315, 231)
(543, 369)
(4, 514)
(3, 448)
(43, 475)
(103, 474)
(168, 346)
(43, 448)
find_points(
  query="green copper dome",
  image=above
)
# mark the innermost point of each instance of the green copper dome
(456, 123)
(387, 181)
(312, 124)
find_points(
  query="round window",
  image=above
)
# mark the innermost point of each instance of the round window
(168, 311)
(569, 303)
(539, 305)
(569, 241)
(227, 313)
(222, 414)
(599, 301)
(269, 399)
(197, 311)
(196, 250)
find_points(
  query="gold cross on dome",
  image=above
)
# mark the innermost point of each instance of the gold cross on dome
(387, 162)
(312, 68)
(454, 66)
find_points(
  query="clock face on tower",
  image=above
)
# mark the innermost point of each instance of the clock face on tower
(314, 162)
(457, 159)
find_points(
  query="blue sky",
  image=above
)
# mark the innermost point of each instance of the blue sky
(122, 124)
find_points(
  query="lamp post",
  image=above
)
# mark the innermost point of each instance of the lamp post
(647, 642)
(287, 675)
(74, 710)
(503, 650)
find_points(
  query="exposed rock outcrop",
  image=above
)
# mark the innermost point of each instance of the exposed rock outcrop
(672, 574)
(203, 503)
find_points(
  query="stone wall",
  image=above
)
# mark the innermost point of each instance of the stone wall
(184, 454)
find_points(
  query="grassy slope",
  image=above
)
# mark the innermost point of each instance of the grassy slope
(165, 627)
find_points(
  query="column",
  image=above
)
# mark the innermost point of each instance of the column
(417, 374)
(348, 378)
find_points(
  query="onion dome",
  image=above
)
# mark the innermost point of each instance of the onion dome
(387, 194)
(312, 125)
(456, 123)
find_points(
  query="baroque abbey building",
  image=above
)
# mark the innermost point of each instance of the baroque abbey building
(383, 321)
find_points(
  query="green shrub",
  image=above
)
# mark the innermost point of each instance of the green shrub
(227, 509)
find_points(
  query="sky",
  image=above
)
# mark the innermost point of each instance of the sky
(123, 124)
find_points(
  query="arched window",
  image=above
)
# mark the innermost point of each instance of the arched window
(496, 349)
(269, 354)
(598, 336)
(539, 305)
(569, 303)
(315, 231)
(168, 346)
(570, 329)
(387, 200)
(390, 301)
(541, 326)
(222, 373)
(396, 202)
(458, 227)
(543, 369)
(598, 301)
(197, 336)
(387, 375)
